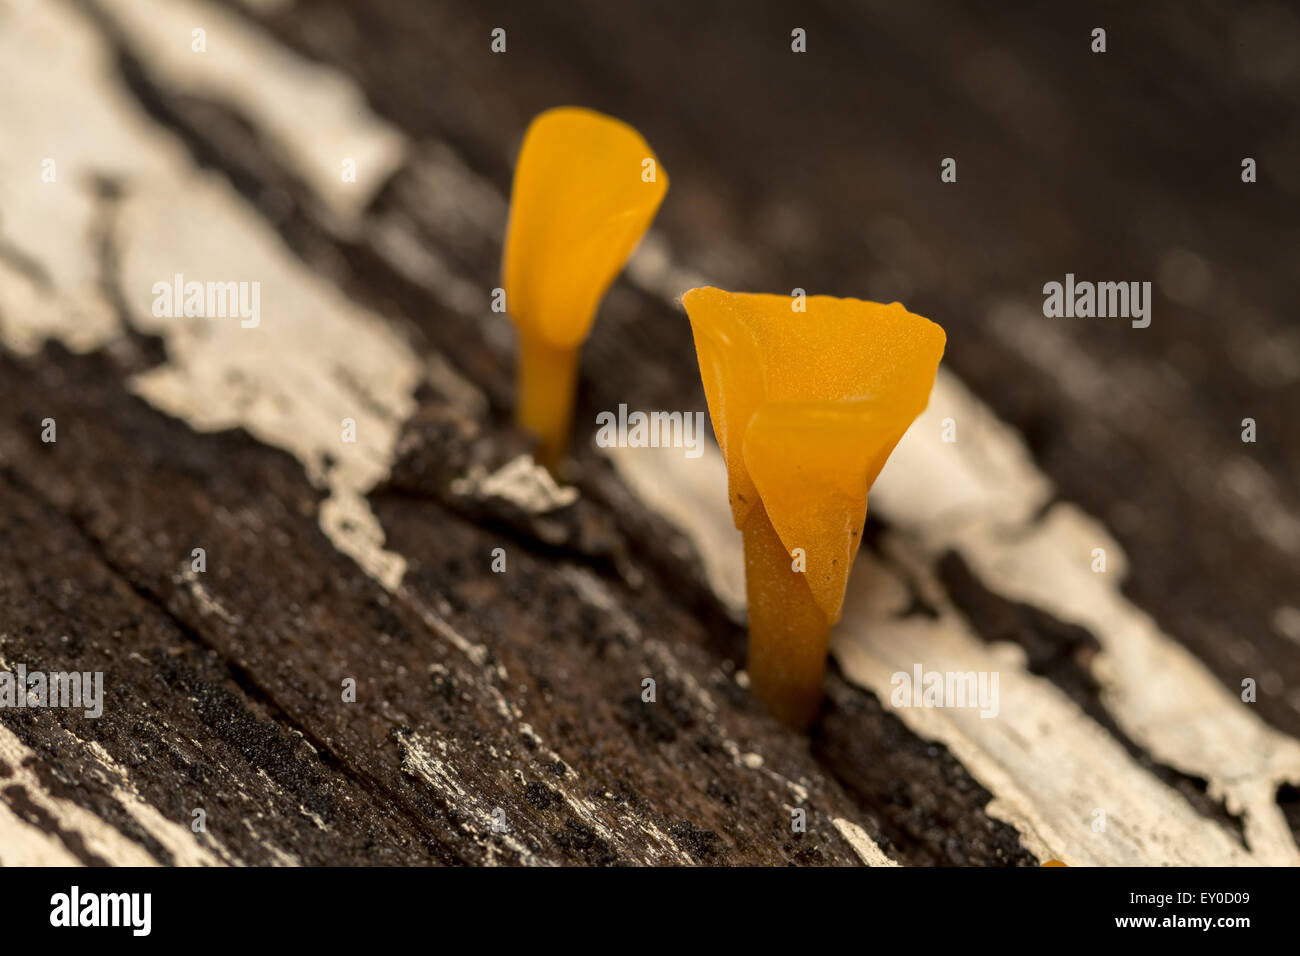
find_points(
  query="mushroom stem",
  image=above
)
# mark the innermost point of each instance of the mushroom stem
(788, 633)
(546, 383)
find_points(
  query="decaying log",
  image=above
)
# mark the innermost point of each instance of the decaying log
(503, 717)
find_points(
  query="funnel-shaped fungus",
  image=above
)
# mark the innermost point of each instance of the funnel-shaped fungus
(807, 406)
(586, 189)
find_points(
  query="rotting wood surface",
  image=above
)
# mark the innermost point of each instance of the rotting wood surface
(479, 692)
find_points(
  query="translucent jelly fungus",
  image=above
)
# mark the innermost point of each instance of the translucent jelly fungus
(807, 407)
(586, 189)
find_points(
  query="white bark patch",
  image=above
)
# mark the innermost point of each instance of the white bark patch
(84, 122)
(1161, 696)
(1046, 762)
(313, 360)
(314, 116)
(1159, 693)
(862, 844)
(25, 844)
(99, 837)
(522, 482)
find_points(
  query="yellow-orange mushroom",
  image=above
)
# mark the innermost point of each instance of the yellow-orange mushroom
(586, 189)
(807, 406)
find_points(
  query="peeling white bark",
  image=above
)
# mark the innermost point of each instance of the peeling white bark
(315, 117)
(862, 844)
(31, 846)
(314, 359)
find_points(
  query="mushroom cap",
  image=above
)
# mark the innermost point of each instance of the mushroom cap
(807, 407)
(579, 206)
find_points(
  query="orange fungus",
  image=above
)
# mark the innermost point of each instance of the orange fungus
(808, 399)
(586, 188)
